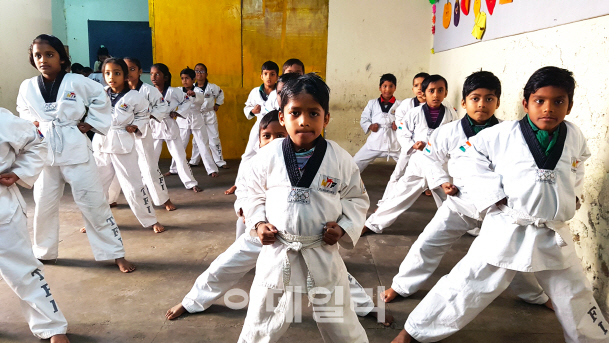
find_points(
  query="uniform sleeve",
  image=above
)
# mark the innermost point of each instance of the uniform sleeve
(220, 97)
(141, 114)
(158, 105)
(579, 173)
(199, 98)
(406, 128)
(22, 106)
(31, 151)
(183, 104)
(355, 203)
(401, 111)
(477, 172)
(250, 103)
(435, 156)
(241, 184)
(256, 193)
(366, 119)
(393, 110)
(100, 110)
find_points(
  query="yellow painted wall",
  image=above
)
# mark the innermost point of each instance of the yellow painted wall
(233, 43)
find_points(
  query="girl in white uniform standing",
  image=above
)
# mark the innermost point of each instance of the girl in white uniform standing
(115, 153)
(167, 130)
(22, 157)
(57, 102)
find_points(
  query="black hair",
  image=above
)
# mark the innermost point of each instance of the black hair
(165, 70)
(550, 76)
(481, 79)
(189, 72)
(270, 65)
(103, 51)
(77, 68)
(291, 62)
(287, 77)
(388, 77)
(56, 44)
(135, 61)
(86, 70)
(121, 63)
(424, 75)
(310, 84)
(268, 118)
(432, 78)
(202, 65)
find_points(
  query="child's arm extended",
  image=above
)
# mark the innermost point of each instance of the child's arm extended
(435, 155)
(406, 131)
(355, 202)
(366, 120)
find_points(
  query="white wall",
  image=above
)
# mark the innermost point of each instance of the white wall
(366, 39)
(583, 48)
(20, 22)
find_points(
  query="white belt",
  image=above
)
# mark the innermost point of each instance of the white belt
(524, 219)
(297, 243)
(118, 127)
(54, 134)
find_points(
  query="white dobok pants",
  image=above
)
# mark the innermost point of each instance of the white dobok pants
(89, 195)
(23, 273)
(149, 167)
(473, 284)
(424, 256)
(126, 168)
(215, 146)
(230, 266)
(365, 156)
(199, 136)
(176, 149)
(398, 172)
(253, 141)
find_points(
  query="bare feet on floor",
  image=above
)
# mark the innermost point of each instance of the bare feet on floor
(549, 305)
(230, 190)
(403, 337)
(225, 166)
(169, 174)
(83, 230)
(388, 295)
(60, 339)
(124, 265)
(158, 228)
(114, 204)
(388, 318)
(175, 312)
(214, 174)
(365, 230)
(169, 206)
(197, 189)
(428, 193)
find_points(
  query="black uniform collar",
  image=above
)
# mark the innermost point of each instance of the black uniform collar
(467, 126)
(49, 94)
(542, 160)
(431, 124)
(119, 96)
(289, 157)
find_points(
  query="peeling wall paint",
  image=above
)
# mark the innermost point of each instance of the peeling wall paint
(583, 48)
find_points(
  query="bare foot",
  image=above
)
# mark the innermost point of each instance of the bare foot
(124, 265)
(197, 189)
(549, 305)
(225, 166)
(230, 190)
(193, 165)
(175, 312)
(402, 337)
(114, 204)
(214, 174)
(60, 339)
(83, 230)
(158, 228)
(169, 206)
(169, 174)
(428, 193)
(366, 231)
(388, 295)
(388, 318)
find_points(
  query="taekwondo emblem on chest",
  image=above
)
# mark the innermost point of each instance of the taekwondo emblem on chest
(300, 195)
(71, 96)
(123, 106)
(328, 184)
(545, 176)
(50, 106)
(574, 164)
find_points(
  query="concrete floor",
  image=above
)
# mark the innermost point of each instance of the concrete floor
(104, 305)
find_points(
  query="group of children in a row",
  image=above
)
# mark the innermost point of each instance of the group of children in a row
(301, 194)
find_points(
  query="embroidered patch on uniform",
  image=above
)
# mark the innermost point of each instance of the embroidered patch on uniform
(186, 97)
(328, 184)
(300, 195)
(400, 125)
(70, 96)
(545, 175)
(50, 106)
(40, 135)
(162, 99)
(428, 148)
(465, 146)
(574, 164)
(123, 106)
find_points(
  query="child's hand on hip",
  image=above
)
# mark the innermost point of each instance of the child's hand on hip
(8, 179)
(216, 108)
(419, 145)
(266, 232)
(374, 127)
(131, 128)
(36, 123)
(256, 109)
(84, 127)
(449, 188)
(393, 126)
(191, 93)
(332, 233)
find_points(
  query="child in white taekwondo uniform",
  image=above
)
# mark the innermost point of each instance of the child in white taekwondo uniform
(191, 121)
(457, 215)
(226, 270)
(255, 104)
(291, 66)
(167, 130)
(57, 102)
(405, 106)
(214, 98)
(529, 175)
(22, 157)
(305, 195)
(378, 118)
(115, 153)
(420, 123)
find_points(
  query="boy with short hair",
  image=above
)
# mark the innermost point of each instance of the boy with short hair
(255, 103)
(528, 174)
(293, 65)
(214, 98)
(419, 124)
(378, 118)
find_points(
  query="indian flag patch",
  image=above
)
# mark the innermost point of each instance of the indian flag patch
(465, 146)
(428, 148)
